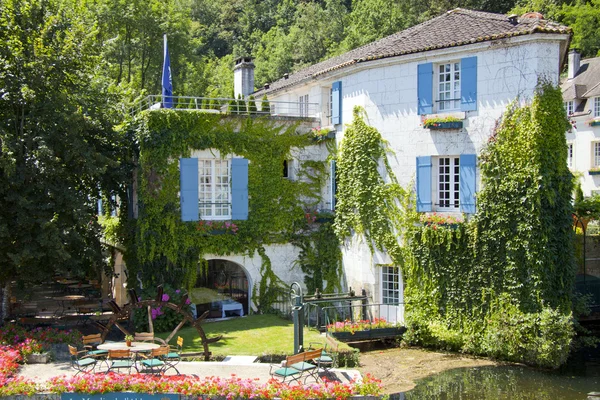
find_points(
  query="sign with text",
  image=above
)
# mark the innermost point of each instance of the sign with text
(119, 396)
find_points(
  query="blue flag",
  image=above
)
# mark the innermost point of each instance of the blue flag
(167, 83)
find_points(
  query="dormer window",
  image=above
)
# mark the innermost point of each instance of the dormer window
(569, 107)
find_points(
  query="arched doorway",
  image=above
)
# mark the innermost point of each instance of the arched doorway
(221, 289)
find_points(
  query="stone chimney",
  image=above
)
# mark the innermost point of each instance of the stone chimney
(243, 77)
(574, 63)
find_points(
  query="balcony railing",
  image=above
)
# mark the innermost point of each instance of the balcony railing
(219, 105)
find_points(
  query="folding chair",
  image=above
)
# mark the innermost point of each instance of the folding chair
(91, 342)
(155, 363)
(121, 359)
(80, 361)
(174, 357)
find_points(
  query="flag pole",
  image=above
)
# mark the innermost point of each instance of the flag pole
(167, 82)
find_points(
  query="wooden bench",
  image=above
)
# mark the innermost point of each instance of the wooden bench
(296, 366)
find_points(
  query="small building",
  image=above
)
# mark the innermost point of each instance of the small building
(581, 95)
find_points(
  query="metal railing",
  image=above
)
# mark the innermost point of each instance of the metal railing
(319, 317)
(220, 105)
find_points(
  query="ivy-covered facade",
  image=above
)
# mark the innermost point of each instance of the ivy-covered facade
(227, 208)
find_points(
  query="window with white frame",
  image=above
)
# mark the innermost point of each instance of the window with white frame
(214, 189)
(448, 183)
(596, 154)
(596, 106)
(303, 106)
(390, 285)
(569, 107)
(448, 87)
(570, 155)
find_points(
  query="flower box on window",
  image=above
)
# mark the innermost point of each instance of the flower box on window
(594, 171)
(594, 122)
(444, 125)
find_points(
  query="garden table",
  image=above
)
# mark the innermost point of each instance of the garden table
(62, 300)
(232, 305)
(134, 348)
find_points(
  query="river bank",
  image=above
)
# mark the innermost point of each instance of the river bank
(400, 368)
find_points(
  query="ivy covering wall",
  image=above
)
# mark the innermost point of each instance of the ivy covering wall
(500, 283)
(163, 249)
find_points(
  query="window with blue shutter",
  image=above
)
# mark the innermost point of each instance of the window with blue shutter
(336, 103)
(188, 174)
(468, 84)
(239, 188)
(468, 182)
(425, 88)
(424, 184)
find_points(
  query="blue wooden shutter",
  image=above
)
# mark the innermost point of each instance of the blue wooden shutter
(425, 88)
(239, 188)
(468, 84)
(424, 183)
(336, 102)
(468, 181)
(188, 175)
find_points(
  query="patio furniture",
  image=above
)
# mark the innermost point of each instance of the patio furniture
(298, 365)
(135, 347)
(174, 357)
(121, 359)
(231, 305)
(91, 342)
(144, 337)
(155, 363)
(80, 361)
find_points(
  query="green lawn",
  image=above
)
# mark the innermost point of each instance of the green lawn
(254, 335)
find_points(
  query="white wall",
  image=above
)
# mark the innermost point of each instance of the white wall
(387, 90)
(583, 138)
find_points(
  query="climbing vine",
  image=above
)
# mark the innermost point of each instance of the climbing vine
(500, 284)
(367, 204)
(168, 250)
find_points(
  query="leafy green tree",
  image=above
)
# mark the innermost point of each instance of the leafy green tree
(58, 146)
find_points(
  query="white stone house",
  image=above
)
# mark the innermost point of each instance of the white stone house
(581, 94)
(464, 64)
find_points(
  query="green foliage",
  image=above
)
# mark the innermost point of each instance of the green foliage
(265, 107)
(368, 205)
(58, 144)
(515, 258)
(164, 137)
(163, 319)
(588, 207)
(251, 105)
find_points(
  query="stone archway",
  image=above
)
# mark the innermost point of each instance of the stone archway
(222, 289)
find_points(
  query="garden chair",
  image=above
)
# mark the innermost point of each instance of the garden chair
(155, 363)
(328, 358)
(91, 342)
(80, 361)
(144, 337)
(174, 357)
(121, 359)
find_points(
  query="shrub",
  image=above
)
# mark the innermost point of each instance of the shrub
(163, 319)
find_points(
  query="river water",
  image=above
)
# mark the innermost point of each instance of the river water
(580, 376)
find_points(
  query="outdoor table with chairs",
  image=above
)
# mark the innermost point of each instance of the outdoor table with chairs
(63, 300)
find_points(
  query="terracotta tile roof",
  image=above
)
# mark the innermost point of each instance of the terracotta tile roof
(454, 28)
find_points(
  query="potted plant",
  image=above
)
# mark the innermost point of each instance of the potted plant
(443, 123)
(34, 352)
(128, 340)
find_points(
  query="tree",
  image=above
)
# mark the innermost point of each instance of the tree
(58, 146)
